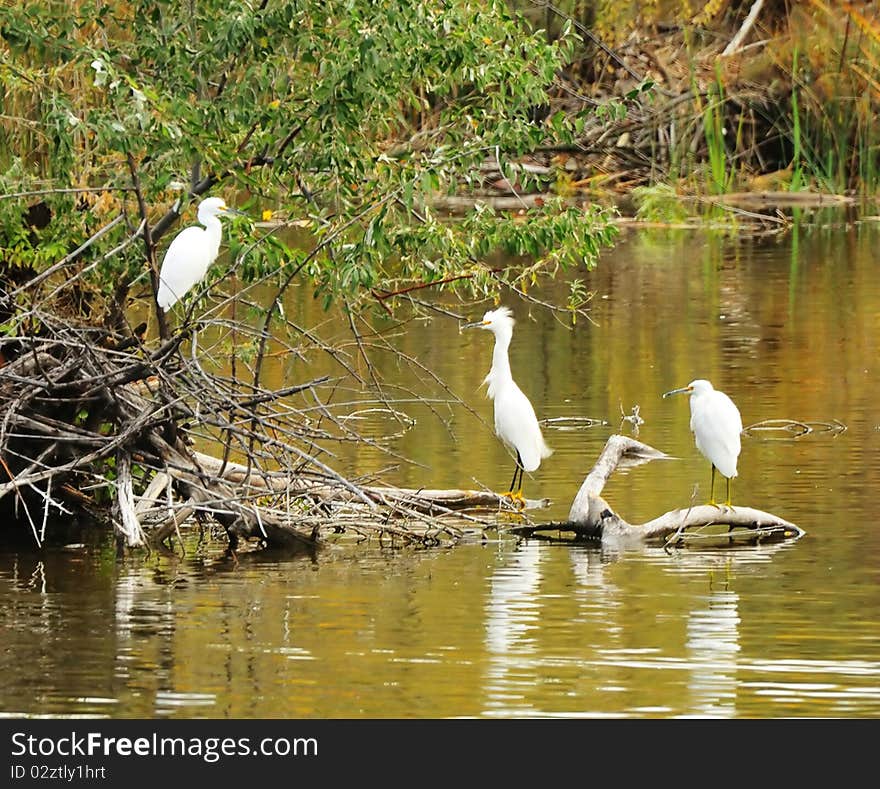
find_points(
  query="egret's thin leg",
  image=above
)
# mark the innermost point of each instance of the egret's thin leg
(712, 487)
(515, 492)
(728, 491)
(512, 487)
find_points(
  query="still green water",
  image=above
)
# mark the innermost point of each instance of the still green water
(787, 326)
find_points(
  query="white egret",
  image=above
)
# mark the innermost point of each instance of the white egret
(716, 424)
(191, 253)
(515, 421)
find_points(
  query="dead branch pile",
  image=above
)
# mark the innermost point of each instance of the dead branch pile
(89, 417)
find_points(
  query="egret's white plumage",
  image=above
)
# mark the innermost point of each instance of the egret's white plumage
(515, 421)
(191, 253)
(716, 424)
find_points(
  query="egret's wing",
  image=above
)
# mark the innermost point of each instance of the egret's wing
(717, 424)
(517, 425)
(185, 264)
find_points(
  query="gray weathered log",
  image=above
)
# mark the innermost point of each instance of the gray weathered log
(422, 499)
(150, 497)
(619, 451)
(592, 517)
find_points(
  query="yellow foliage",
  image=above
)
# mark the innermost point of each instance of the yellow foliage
(564, 185)
(710, 10)
(614, 20)
(105, 203)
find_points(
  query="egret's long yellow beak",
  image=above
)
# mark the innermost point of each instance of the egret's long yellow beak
(683, 390)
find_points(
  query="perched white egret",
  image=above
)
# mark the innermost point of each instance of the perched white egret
(716, 424)
(191, 253)
(515, 421)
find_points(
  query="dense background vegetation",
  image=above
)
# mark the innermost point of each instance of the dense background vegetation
(340, 118)
(748, 95)
(348, 119)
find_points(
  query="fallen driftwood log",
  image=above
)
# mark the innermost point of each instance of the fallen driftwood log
(429, 500)
(591, 517)
(763, 199)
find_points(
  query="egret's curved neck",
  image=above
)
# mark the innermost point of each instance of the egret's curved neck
(213, 230)
(211, 222)
(500, 361)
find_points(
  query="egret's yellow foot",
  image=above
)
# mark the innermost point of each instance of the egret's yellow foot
(516, 497)
(508, 494)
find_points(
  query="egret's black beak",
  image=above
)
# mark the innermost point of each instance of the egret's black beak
(475, 325)
(683, 390)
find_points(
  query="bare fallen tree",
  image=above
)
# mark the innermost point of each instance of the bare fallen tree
(591, 517)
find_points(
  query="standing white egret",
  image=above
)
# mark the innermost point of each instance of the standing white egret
(191, 253)
(515, 421)
(716, 424)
